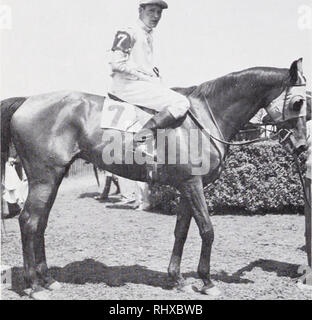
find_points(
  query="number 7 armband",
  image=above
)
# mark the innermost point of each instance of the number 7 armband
(122, 42)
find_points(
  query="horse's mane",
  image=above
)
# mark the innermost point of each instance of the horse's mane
(185, 91)
(244, 79)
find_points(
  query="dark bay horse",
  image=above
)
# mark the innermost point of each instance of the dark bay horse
(51, 130)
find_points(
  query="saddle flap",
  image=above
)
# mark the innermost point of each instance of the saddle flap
(122, 116)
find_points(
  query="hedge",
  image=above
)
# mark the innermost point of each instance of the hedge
(257, 179)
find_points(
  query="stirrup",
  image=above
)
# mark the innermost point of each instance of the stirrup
(142, 147)
(143, 137)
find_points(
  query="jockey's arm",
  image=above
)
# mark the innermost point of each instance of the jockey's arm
(120, 58)
(119, 63)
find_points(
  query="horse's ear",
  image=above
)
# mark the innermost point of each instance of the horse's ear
(296, 70)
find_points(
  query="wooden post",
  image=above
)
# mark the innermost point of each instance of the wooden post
(305, 281)
(308, 218)
(307, 277)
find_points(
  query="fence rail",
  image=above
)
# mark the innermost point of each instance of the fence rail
(80, 168)
(264, 131)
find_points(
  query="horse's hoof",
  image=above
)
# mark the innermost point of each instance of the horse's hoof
(54, 286)
(98, 198)
(40, 295)
(301, 270)
(209, 291)
(177, 283)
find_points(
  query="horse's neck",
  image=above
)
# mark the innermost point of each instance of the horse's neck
(234, 108)
(233, 116)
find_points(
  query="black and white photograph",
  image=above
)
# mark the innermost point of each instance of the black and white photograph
(156, 151)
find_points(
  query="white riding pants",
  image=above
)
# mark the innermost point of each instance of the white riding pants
(151, 95)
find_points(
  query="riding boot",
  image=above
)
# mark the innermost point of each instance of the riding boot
(146, 135)
(161, 120)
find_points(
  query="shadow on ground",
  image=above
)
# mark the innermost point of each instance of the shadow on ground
(88, 195)
(91, 271)
(111, 199)
(282, 269)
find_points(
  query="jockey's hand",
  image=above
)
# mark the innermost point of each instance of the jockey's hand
(150, 77)
(154, 79)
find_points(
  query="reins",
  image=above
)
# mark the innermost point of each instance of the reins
(245, 143)
(242, 143)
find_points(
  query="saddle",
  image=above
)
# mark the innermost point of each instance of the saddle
(120, 115)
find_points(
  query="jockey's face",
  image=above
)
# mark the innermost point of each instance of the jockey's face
(150, 14)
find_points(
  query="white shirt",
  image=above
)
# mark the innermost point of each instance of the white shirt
(132, 54)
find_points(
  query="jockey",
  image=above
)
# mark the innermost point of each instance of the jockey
(134, 77)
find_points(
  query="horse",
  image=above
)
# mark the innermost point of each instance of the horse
(50, 131)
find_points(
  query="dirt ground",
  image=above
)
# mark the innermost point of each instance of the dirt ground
(97, 252)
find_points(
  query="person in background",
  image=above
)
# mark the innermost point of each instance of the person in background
(14, 189)
(142, 196)
(108, 182)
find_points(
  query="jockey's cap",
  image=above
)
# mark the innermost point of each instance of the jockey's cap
(161, 3)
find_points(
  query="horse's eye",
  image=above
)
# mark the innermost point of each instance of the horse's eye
(297, 105)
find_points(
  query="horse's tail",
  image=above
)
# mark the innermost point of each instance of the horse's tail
(7, 107)
(96, 174)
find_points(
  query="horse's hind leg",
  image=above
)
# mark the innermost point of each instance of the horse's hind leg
(193, 192)
(180, 233)
(33, 222)
(42, 267)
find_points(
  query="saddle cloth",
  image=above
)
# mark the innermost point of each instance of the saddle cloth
(123, 116)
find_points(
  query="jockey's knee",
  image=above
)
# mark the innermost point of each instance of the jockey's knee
(180, 107)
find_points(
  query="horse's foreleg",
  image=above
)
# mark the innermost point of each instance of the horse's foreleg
(194, 193)
(180, 233)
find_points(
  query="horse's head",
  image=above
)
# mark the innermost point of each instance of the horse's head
(289, 110)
